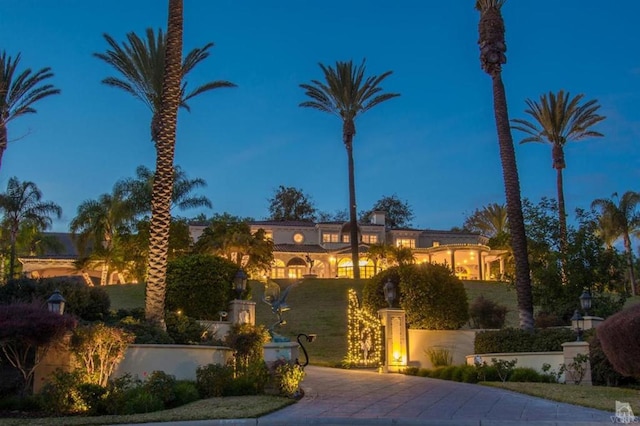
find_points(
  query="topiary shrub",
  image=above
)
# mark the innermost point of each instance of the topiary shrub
(213, 379)
(432, 296)
(602, 372)
(620, 339)
(199, 285)
(486, 313)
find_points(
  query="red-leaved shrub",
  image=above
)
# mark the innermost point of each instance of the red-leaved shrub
(620, 338)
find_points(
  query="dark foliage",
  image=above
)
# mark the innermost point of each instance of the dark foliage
(517, 340)
(486, 313)
(602, 372)
(620, 339)
(184, 330)
(87, 303)
(199, 285)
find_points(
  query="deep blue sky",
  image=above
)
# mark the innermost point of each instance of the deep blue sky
(435, 146)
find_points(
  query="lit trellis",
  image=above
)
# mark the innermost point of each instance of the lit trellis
(364, 335)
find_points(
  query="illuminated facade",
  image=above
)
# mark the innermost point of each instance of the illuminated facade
(323, 249)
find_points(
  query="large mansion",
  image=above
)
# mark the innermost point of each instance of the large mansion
(323, 249)
(316, 249)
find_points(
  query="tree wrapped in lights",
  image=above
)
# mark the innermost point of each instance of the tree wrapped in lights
(364, 335)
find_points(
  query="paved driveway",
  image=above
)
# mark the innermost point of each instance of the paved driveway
(336, 396)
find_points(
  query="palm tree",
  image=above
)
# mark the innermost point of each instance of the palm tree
(491, 221)
(492, 56)
(99, 224)
(139, 190)
(378, 253)
(623, 220)
(559, 119)
(163, 182)
(346, 92)
(21, 205)
(18, 93)
(141, 63)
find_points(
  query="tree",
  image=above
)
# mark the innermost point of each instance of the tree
(401, 255)
(623, 220)
(21, 205)
(27, 332)
(171, 99)
(558, 120)
(347, 93)
(234, 241)
(398, 214)
(100, 225)
(142, 64)
(289, 203)
(19, 91)
(490, 221)
(378, 253)
(139, 190)
(337, 216)
(492, 56)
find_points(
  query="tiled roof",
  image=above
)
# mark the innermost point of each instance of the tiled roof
(296, 223)
(299, 248)
(67, 247)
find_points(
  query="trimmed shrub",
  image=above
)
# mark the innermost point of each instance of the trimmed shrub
(516, 340)
(141, 400)
(183, 329)
(213, 380)
(185, 392)
(432, 296)
(145, 332)
(525, 374)
(251, 381)
(161, 385)
(486, 313)
(620, 339)
(602, 372)
(199, 285)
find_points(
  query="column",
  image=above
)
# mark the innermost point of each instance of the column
(242, 312)
(395, 339)
(576, 371)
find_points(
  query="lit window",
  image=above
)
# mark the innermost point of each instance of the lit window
(345, 238)
(406, 242)
(436, 244)
(369, 238)
(328, 237)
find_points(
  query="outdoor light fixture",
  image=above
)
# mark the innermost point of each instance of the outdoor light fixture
(585, 301)
(240, 282)
(56, 302)
(223, 315)
(310, 338)
(389, 292)
(579, 320)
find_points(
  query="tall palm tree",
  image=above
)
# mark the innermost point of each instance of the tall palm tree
(139, 190)
(622, 216)
(18, 92)
(492, 56)
(491, 221)
(346, 92)
(559, 119)
(141, 63)
(163, 182)
(21, 205)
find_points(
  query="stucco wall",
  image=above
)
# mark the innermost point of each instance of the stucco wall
(458, 342)
(178, 360)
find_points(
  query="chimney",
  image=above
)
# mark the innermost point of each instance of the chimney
(378, 218)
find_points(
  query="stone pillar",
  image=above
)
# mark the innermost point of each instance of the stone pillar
(395, 339)
(570, 351)
(588, 322)
(242, 312)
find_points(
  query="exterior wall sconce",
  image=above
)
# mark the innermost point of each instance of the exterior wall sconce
(389, 292)
(240, 282)
(55, 303)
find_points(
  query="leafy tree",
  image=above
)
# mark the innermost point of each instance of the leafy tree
(346, 93)
(19, 91)
(492, 55)
(588, 263)
(620, 218)
(289, 203)
(337, 216)
(27, 332)
(398, 213)
(141, 63)
(378, 254)
(558, 120)
(21, 205)
(234, 241)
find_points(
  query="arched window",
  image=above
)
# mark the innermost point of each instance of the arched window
(277, 269)
(296, 267)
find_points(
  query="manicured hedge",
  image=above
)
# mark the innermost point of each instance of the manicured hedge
(516, 340)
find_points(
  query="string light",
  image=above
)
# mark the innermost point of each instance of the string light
(364, 335)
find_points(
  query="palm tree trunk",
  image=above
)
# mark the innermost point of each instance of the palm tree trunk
(353, 221)
(3, 141)
(562, 216)
(514, 204)
(163, 182)
(629, 250)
